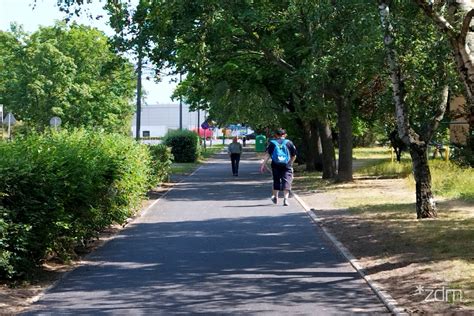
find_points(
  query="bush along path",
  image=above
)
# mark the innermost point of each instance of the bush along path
(61, 188)
(215, 244)
(59, 192)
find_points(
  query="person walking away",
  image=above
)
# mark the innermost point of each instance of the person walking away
(235, 150)
(244, 141)
(282, 152)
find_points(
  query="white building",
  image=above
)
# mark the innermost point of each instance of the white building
(157, 119)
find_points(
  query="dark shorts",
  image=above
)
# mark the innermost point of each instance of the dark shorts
(282, 177)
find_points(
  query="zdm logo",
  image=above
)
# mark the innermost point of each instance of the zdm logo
(442, 294)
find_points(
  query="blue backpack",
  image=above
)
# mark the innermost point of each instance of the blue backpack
(281, 154)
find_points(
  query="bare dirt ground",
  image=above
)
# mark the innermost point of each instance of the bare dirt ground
(392, 245)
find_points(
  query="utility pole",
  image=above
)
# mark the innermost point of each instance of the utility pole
(180, 106)
(199, 123)
(1, 119)
(139, 91)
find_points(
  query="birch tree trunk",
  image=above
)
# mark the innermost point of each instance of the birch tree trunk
(425, 205)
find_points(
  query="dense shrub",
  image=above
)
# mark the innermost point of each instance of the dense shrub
(184, 144)
(464, 155)
(161, 163)
(62, 188)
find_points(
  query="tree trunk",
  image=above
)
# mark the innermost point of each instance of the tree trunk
(308, 147)
(425, 204)
(312, 147)
(329, 160)
(318, 162)
(344, 118)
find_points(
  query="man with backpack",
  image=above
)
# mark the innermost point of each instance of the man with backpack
(282, 152)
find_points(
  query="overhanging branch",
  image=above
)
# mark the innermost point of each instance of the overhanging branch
(439, 113)
(283, 64)
(465, 26)
(440, 21)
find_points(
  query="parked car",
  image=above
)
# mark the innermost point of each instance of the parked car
(250, 136)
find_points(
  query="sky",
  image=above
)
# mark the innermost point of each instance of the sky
(46, 13)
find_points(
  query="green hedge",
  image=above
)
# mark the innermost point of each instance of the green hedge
(184, 144)
(60, 189)
(162, 159)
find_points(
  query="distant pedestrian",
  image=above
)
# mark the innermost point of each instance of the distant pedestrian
(244, 141)
(282, 152)
(235, 150)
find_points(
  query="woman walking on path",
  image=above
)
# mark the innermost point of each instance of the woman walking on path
(235, 150)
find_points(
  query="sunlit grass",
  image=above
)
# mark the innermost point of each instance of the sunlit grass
(450, 180)
(371, 152)
(386, 169)
(380, 162)
(189, 167)
(209, 151)
(184, 168)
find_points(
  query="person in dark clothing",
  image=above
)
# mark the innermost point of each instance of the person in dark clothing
(282, 152)
(235, 150)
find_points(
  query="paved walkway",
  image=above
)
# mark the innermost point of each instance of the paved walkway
(215, 244)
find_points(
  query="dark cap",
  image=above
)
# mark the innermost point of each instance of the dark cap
(280, 132)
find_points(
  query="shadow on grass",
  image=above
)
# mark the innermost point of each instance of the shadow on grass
(393, 229)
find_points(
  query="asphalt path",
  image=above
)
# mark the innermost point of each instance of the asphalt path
(215, 245)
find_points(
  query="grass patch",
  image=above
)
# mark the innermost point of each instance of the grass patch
(308, 181)
(183, 168)
(186, 168)
(380, 162)
(450, 180)
(381, 226)
(205, 154)
(447, 239)
(450, 236)
(371, 152)
(381, 168)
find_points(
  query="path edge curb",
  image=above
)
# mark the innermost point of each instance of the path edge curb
(386, 298)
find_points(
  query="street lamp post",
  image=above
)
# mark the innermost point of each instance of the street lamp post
(139, 91)
(199, 123)
(180, 107)
(1, 119)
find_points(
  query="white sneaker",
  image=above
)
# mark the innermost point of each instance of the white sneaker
(285, 202)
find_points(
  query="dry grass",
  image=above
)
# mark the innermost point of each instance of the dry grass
(376, 220)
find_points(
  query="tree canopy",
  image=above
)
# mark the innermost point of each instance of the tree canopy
(66, 71)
